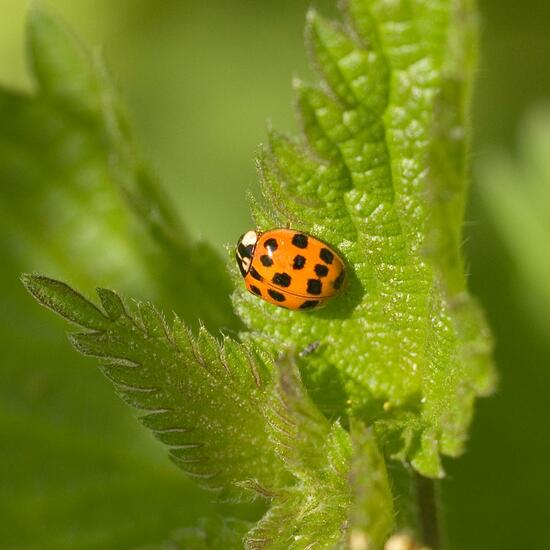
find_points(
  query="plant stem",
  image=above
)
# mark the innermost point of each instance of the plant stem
(417, 506)
(429, 511)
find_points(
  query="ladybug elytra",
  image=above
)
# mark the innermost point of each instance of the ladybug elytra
(289, 268)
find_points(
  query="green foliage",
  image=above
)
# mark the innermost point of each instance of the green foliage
(372, 516)
(517, 195)
(77, 470)
(210, 534)
(380, 174)
(205, 401)
(232, 420)
(70, 164)
(318, 454)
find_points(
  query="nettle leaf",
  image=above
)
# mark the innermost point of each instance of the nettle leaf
(79, 195)
(516, 193)
(381, 175)
(204, 400)
(236, 421)
(210, 534)
(342, 498)
(372, 515)
(313, 512)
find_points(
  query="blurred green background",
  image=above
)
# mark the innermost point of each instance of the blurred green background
(200, 80)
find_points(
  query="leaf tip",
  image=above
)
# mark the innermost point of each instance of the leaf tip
(312, 15)
(63, 300)
(297, 84)
(35, 284)
(319, 26)
(111, 302)
(35, 11)
(26, 279)
(38, 18)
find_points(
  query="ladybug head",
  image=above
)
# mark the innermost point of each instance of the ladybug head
(245, 251)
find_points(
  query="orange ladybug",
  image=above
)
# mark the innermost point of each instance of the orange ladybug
(289, 268)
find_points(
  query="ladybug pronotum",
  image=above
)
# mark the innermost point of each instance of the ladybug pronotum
(289, 268)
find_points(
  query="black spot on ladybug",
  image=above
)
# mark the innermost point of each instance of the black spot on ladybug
(277, 296)
(299, 262)
(266, 260)
(308, 304)
(339, 280)
(281, 279)
(314, 286)
(326, 255)
(299, 240)
(255, 275)
(271, 244)
(321, 270)
(256, 290)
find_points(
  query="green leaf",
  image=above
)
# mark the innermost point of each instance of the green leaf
(210, 534)
(342, 493)
(233, 420)
(76, 469)
(380, 174)
(204, 400)
(313, 512)
(60, 64)
(516, 195)
(372, 514)
(60, 298)
(79, 195)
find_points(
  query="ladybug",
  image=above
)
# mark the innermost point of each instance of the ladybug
(289, 268)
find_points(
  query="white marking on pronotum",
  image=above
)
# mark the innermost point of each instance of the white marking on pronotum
(249, 238)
